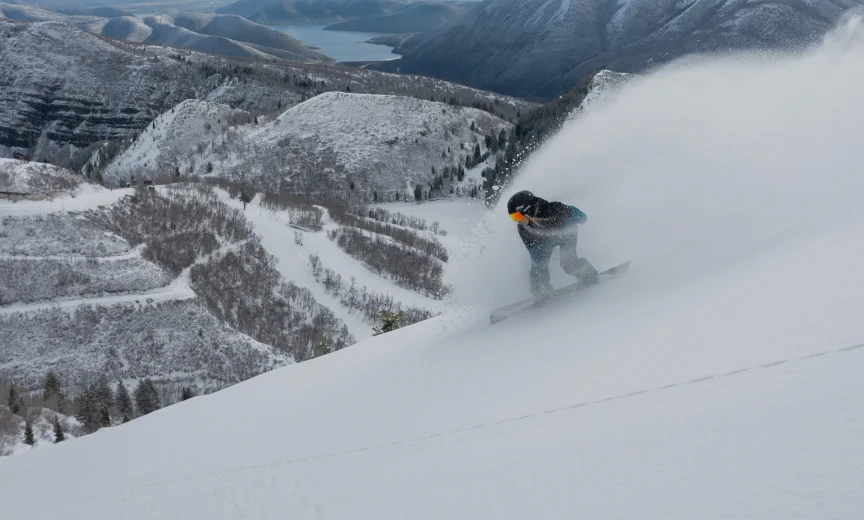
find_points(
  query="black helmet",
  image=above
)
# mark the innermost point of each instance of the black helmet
(523, 202)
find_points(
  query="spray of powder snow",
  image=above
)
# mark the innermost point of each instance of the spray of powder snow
(695, 167)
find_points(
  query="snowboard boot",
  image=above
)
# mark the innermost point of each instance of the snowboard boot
(583, 271)
(541, 290)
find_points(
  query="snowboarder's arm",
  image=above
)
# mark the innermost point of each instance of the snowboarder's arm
(577, 216)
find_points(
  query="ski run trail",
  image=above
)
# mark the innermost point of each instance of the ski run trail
(87, 197)
(721, 378)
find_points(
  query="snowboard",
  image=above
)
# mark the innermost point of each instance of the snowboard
(502, 313)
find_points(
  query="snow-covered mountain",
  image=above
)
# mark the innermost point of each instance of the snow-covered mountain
(602, 87)
(333, 142)
(413, 19)
(720, 378)
(227, 35)
(543, 47)
(64, 89)
(306, 11)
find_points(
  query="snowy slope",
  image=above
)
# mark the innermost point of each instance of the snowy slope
(36, 178)
(458, 217)
(104, 321)
(603, 86)
(721, 378)
(380, 143)
(171, 135)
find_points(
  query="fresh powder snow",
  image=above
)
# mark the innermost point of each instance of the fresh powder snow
(720, 378)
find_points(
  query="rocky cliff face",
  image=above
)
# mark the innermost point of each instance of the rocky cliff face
(543, 47)
(63, 89)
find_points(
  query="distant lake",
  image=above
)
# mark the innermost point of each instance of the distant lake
(339, 45)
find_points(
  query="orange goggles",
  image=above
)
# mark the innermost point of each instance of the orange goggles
(518, 217)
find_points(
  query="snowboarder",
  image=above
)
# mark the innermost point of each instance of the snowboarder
(543, 226)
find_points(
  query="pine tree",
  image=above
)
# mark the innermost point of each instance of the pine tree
(477, 153)
(124, 402)
(29, 438)
(52, 388)
(147, 397)
(390, 321)
(59, 436)
(104, 417)
(87, 411)
(187, 393)
(323, 347)
(102, 394)
(245, 198)
(15, 401)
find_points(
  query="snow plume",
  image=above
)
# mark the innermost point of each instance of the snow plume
(699, 166)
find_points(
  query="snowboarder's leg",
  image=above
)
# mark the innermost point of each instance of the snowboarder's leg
(575, 266)
(539, 274)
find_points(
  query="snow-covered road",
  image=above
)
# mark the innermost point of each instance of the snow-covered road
(178, 289)
(89, 196)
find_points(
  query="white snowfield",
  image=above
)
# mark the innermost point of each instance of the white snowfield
(720, 378)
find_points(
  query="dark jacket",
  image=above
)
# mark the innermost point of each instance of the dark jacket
(553, 223)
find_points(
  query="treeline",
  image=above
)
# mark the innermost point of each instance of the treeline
(530, 131)
(400, 219)
(243, 288)
(176, 228)
(31, 280)
(430, 246)
(73, 412)
(404, 265)
(371, 305)
(99, 405)
(240, 287)
(57, 234)
(301, 82)
(176, 341)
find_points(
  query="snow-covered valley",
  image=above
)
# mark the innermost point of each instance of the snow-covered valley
(65, 263)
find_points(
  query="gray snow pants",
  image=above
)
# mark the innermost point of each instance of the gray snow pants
(541, 253)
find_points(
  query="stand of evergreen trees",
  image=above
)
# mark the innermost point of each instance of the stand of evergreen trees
(95, 405)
